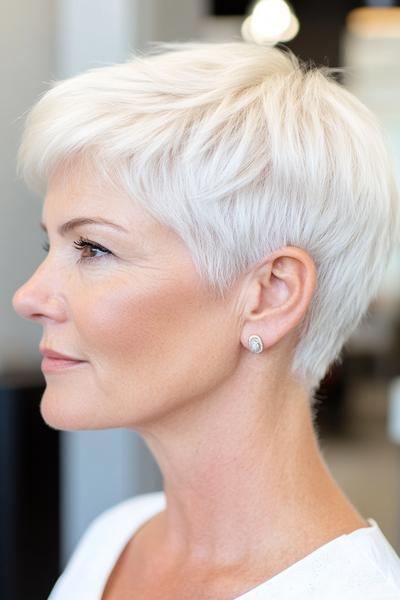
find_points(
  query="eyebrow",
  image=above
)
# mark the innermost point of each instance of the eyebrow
(78, 221)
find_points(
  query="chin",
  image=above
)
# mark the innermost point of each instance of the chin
(64, 412)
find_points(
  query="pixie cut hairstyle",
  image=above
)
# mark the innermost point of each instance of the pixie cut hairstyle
(241, 149)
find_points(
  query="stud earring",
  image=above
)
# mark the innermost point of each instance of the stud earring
(255, 344)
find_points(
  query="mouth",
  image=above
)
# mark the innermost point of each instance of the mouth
(50, 365)
(55, 361)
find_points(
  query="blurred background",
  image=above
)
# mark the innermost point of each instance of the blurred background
(52, 484)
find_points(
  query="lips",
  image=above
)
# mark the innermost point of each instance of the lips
(55, 361)
(52, 354)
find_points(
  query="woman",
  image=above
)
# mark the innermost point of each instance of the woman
(220, 217)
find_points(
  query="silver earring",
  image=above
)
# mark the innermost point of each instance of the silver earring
(255, 344)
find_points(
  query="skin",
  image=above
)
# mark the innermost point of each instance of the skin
(248, 491)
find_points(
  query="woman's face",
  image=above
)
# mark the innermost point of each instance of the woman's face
(152, 335)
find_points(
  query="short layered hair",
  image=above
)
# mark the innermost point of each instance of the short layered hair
(242, 149)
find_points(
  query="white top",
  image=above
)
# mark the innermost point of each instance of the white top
(361, 565)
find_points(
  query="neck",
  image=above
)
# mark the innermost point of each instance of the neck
(244, 477)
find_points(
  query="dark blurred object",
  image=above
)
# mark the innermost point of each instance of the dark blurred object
(373, 356)
(229, 7)
(330, 417)
(306, 7)
(29, 492)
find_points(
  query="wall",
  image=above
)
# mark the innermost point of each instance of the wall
(373, 65)
(26, 63)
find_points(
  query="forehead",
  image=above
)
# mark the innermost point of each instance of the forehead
(77, 190)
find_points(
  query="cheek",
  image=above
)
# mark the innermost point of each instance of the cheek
(125, 326)
(117, 321)
(155, 341)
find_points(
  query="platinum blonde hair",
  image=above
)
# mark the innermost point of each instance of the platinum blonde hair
(241, 149)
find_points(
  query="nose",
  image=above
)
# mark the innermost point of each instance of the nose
(38, 299)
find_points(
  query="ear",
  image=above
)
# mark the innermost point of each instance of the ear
(277, 294)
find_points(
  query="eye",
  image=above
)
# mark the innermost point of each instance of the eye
(89, 250)
(84, 244)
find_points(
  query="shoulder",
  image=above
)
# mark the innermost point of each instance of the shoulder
(362, 565)
(102, 541)
(377, 565)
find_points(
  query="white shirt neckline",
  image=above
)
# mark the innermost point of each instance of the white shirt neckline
(158, 504)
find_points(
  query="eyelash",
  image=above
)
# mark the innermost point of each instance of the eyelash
(80, 245)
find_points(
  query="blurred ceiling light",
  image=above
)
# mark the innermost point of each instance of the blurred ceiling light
(374, 22)
(270, 22)
(270, 18)
(291, 31)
